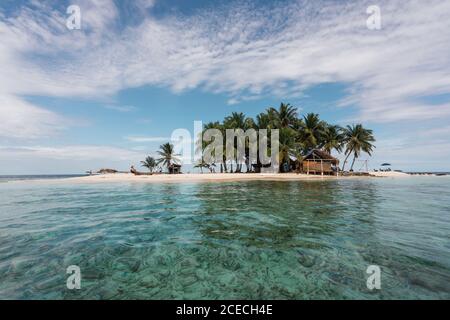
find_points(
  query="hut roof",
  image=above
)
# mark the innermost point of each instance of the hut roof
(103, 171)
(317, 154)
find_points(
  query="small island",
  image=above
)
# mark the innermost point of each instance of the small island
(308, 148)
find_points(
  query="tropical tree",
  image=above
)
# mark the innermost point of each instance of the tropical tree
(287, 145)
(238, 120)
(298, 135)
(332, 139)
(235, 121)
(202, 164)
(297, 153)
(310, 134)
(149, 163)
(284, 117)
(357, 140)
(214, 125)
(262, 121)
(167, 155)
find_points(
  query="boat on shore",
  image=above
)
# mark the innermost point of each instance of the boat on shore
(388, 174)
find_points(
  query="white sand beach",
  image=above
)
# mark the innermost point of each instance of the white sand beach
(196, 177)
(207, 177)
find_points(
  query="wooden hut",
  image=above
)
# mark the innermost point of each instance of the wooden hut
(320, 162)
(105, 171)
(174, 168)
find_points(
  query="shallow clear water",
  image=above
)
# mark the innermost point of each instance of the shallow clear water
(237, 240)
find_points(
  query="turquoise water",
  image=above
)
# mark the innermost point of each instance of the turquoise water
(237, 240)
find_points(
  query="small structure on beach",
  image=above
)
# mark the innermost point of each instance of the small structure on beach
(386, 167)
(320, 162)
(106, 171)
(174, 168)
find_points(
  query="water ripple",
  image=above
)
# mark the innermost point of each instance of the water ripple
(237, 240)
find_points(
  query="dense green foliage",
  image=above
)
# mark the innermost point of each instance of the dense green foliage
(298, 135)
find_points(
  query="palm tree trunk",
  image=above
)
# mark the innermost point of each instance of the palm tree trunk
(353, 162)
(343, 165)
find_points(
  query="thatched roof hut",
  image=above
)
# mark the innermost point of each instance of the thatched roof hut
(320, 162)
(104, 171)
(174, 168)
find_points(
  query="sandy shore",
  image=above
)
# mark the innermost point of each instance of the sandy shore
(195, 177)
(207, 177)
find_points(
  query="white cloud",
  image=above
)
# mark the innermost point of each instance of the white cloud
(409, 155)
(145, 4)
(240, 50)
(65, 159)
(21, 120)
(81, 152)
(120, 108)
(434, 132)
(244, 52)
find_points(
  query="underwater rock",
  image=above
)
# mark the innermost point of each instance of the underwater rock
(51, 283)
(150, 281)
(163, 274)
(429, 283)
(306, 260)
(227, 279)
(107, 292)
(187, 281)
(20, 266)
(92, 273)
(129, 264)
(201, 274)
(189, 263)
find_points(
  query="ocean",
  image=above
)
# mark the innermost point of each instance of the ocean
(8, 178)
(227, 240)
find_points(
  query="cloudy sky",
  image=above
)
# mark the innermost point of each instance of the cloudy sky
(111, 92)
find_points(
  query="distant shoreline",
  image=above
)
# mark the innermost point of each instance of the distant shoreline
(196, 177)
(199, 177)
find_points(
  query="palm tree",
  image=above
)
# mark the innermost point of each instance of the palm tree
(298, 154)
(202, 164)
(235, 121)
(149, 163)
(167, 156)
(216, 125)
(297, 137)
(285, 116)
(287, 145)
(312, 130)
(262, 121)
(333, 139)
(238, 121)
(357, 139)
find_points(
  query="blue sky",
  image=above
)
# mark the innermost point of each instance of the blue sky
(112, 92)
